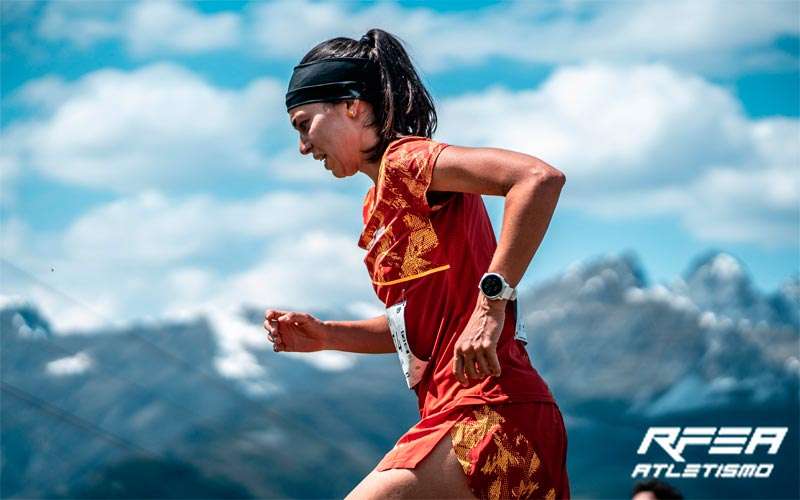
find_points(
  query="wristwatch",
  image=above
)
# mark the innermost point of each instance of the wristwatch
(495, 287)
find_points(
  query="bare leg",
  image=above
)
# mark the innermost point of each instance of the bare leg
(439, 475)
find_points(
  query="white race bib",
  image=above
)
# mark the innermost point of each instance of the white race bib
(519, 331)
(413, 367)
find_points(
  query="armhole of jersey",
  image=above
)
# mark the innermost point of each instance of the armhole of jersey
(439, 199)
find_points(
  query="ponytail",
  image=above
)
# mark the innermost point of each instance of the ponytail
(402, 104)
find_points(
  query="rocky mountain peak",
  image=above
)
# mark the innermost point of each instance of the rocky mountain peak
(624, 269)
(717, 269)
(718, 281)
(22, 320)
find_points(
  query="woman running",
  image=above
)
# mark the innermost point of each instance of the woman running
(489, 426)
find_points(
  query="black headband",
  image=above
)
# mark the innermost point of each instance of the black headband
(332, 79)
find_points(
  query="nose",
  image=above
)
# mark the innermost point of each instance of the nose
(305, 147)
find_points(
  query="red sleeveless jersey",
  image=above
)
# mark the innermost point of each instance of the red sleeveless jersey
(426, 253)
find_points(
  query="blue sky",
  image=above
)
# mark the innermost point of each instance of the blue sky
(149, 169)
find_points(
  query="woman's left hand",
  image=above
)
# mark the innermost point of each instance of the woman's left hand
(475, 354)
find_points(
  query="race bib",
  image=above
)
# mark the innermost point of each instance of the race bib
(519, 331)
(413, 367)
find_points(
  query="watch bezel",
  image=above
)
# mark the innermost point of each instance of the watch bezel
(486, 279)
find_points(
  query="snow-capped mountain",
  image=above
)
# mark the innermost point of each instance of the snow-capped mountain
(720, 283)
(706, 339)
(182, 394)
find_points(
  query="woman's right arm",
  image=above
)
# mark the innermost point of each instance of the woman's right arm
(301, 332)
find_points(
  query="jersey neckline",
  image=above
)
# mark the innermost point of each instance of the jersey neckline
(374, 188)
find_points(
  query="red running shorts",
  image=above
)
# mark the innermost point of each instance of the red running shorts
(513, 450)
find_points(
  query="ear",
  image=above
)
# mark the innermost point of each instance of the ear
(352, 107)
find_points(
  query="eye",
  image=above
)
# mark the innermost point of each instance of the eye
(303, 126)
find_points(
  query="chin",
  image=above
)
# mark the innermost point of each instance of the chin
(342, 175)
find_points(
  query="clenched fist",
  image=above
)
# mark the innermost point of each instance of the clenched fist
(295, 331)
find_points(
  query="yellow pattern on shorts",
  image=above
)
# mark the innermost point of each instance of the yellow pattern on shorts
(512, 452)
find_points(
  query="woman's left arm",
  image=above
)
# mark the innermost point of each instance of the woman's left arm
(531, 189)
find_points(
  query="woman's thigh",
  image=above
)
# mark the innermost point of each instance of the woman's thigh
(439, 475)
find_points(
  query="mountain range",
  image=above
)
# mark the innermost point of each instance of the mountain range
(204, 408)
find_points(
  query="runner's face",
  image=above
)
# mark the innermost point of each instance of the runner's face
(327, 131)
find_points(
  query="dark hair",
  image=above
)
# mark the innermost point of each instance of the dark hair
(403, 105)
(660, 489)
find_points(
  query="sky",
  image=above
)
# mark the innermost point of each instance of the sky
(148, 168)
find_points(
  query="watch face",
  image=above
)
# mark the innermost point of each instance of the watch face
(491, 285)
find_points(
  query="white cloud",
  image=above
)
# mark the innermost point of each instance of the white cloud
(284, 165)
(273, 37)
(156, 26)
(158, 125)
(329, 361)
(151, 228)
(644, 122)
(148, 28)
(9, 171)
(314, 269)
(71, 365)
(147, 255)
(235, 337)
(647, 140)
(83, 23)
(364, 310)
(190, 283)
(713, 37)
(238, 338)
(759, 206)
(42, 95)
